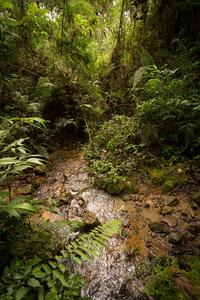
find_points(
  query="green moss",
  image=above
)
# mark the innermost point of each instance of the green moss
(157, 176)
(170, 281)
(170, 183)
(169, 177)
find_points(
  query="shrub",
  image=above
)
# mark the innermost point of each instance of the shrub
(35, 279)
(114, 153)
(171, 281)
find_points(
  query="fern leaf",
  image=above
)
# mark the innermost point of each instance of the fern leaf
(83, 255)
(88, 246)
(92, 251)
(77, 259)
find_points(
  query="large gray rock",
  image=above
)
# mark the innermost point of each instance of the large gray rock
(112, 276)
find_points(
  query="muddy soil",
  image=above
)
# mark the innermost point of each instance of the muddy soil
(153, 224)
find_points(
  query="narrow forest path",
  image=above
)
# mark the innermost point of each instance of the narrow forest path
(153, 224)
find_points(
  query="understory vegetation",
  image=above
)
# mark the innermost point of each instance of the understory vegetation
(121, 76)
(175, 280)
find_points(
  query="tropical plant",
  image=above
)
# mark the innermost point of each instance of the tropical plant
(35, 279)
(114, 154)
(88, 246)
(51, 279)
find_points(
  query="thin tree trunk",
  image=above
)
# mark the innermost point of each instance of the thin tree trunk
(62, 27)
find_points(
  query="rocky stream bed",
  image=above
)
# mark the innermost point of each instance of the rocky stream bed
(153, 224)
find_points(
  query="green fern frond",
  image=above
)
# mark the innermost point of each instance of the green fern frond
(88, 246)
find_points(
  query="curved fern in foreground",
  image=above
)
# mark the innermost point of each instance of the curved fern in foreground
(52, 280)
(88, 246)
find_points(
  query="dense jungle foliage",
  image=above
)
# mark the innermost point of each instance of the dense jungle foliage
(121, 76)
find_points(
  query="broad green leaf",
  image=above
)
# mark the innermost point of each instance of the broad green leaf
(28, 269)
(21, 292)
(22, 150)
(51, 296)
(8, 161)
(35, 161)
(46, 269)
(53, 264)
(22, 206)
(39, 274)
(11, 211)
(33, 282)
(2, 132)
(20, 168)
(18, 276)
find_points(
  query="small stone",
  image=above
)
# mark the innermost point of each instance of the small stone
(170, 200)
(81, 202)
(135, 197)
(126, 197)
(123, 212)
(85, 196)
(159, 227)
(73, 192)
(163, 234)
(187, 219)
(171, 221)
(24, 189)
(194, 229)
(193, 205)
(189, 236)
(66, 199)
(148, 244)
(79, 212)
(175, 238)
(196, 197)
(74, 203)
(184, 214)
(90, 218)
(73, 211)
(166, 210)
(147, 204)
(153, 234)
(126, 223)
(40, 170)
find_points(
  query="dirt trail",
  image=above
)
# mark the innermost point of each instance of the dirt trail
(152, 224)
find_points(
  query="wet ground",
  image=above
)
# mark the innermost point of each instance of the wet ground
(153, 224)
